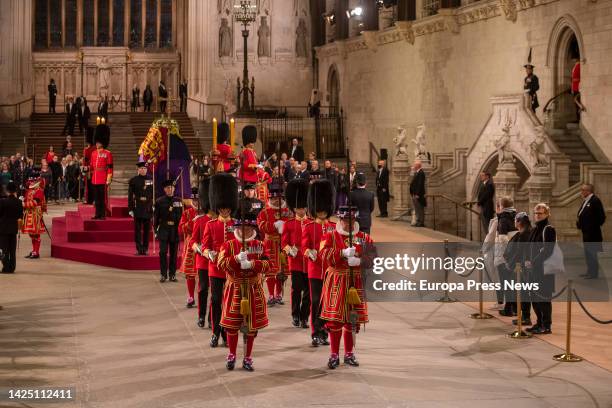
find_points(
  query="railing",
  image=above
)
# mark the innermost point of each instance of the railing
(276, 133)
(17, 108)
(554, 98)
(208, 111)
(297, 111)
(466, 207)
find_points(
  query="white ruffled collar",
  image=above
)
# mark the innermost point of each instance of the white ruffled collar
(341, 230)
(247, 239)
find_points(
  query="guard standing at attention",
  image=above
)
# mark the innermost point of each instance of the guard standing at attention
(167, 215)
(140, 206)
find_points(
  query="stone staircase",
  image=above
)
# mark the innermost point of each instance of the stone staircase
(12, 137)
(203, 134)
(569, 141)
(124, 146)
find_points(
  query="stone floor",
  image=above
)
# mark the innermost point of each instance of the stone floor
(122, 339)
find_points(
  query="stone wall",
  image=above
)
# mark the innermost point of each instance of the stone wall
(442, 70)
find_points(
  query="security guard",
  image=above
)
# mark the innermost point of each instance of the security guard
(140, 205)
(167, 215)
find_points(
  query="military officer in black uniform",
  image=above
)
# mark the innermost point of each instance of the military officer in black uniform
(249, 202)
(140, 205)
(167, 215)
(11, 216)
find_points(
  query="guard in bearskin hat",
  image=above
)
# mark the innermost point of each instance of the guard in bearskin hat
(223, 196)
(188, 261)
(320, 207)
(248, 157)
(140, 207)
(101, 169)
(244, 260)
(345, 250)
(34, 206)
(296, 197)
(222, 156)
(270, 222)
(205, 215)
(166, 218)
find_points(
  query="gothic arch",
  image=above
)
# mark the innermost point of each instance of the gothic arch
(561, 34)
(524, 171)
(333, 87)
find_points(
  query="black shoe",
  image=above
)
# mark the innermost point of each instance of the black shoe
(532, 328)
(351, 360)
(28, 256)
(214, 341)
(315, 342)
(173, 279)
(201, 323)
(296, 322)
(333, 362)
(304, 324)
(271, 301)
(8, 271)
(231, 362)
(525, 322)
(34, 256)
(506, 313)
(323, 341)
(247, 364)
(163, 279)
(279, 300)
(541, 330)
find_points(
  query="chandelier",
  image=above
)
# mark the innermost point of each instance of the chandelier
(245, 11)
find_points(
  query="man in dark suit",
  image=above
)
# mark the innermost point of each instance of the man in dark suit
(11, 216)
(297, 151)
(486, 202)
(52, 89)
(591, 216)
(302, 173)
(417, 192)
(183, 95)
(147, 98)
(103, 107)
(330, 174)
(163, 96)
(382, 188)
(364, 201)
(71, 110)
(84, 114)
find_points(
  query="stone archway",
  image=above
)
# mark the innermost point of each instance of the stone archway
(565, 45)
(333, 90)
(490, 165)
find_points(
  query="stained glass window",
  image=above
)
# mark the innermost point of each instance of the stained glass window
(118, 22)
(135, 23)
(40, 18)
(165, 29)
(55, 22)
(88, 23)
(70, 26)
(151, 24)
(103, 23)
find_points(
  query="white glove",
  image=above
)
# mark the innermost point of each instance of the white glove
(242, 256)
(348, 252)
(246, 265)
(212, 255)
(294, 251)
(131, 213)
(312, 254)
(279, 226)
(196, 248)
(354, 261)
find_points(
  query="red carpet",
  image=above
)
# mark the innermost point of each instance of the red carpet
(110, 242)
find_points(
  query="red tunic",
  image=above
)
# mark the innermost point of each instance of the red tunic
(576, 78)
(312, 235)
(263, 179)
(199, 224)
(188, 264)
(249, 279)
(216, 233)
(292, 237)
(101, 166)
(248, 165)
(334, 306)
(225, 154)
(34, 205)
(272, 239)
(49, 157)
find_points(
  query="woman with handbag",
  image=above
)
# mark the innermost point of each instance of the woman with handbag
(543, 241)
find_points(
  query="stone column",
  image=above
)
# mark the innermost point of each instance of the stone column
(506, 180)
(399, 186)
(540, 186)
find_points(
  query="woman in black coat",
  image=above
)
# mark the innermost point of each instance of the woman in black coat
(542, 239)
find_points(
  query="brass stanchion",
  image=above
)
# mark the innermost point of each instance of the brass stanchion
(446, 298)
(568, 357)
(519, 333)
(481, 313)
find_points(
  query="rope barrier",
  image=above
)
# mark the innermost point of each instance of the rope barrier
(556, 295)
(589, 313)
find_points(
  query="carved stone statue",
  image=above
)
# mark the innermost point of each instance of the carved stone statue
(225, 39)
(536, 148)
(264, 7)
(301, 33)
(401, 146)
(509, 8)
(105, 70)
(263, 43)
(301, 8)
(420, 151)
(224, 6)
(386, 17)
(504, 151)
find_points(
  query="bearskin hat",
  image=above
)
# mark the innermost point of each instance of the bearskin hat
(321, 197)
(223, 132)
(203, 192)
(249, 135)
(223, 192)
(102, 135)
(89, 136)
(296, 194)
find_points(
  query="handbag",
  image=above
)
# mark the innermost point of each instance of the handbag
(554, 264)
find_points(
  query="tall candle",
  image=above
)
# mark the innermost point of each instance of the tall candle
(232, 134)
(214, 141)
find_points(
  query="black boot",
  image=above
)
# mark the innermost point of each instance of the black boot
(173, 278)
(350, 359)
(201, 323)
(231, 362)
(296, 321)
(315, 341)
(247, 364)
(214, 341)
(333, 362)
(163, 279)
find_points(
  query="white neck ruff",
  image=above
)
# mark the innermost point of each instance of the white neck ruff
(341, 230)
(246, 239)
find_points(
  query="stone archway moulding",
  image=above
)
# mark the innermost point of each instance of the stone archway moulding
(558, 34)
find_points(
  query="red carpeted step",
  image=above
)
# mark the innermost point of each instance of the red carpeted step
(103, 236)
(109, 224)
(112, 255)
